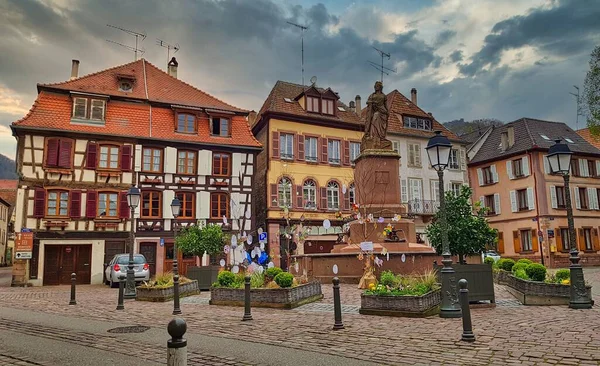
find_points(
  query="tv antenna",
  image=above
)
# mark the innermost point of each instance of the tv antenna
(578, 100)
(137, 38)
(169, 47)
(380, 67)
(302, 28)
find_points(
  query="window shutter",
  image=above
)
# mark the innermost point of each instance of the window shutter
(273, 202)
(525, 164)
(300, 145)
(75, 207)
(558, 238)
(275, 142)
(64, 154)
(547, 169)
(126, 158)
(480, 176)
(534, 241)
(123, 206)
(482, 201)
(530, 198)
(346, 198)
(494, 173)
(509, 169)
(581, 240)
(91, 202)
(463, 160)
(396, 146)
(597, 168)
(500, 243)
(411, 154)
(52, 152)
(497, 203)
(583, 168)
(513, 201)
(346, 160)
(516, 242)
(323, 150)
(39, 202)
(553, 198)
(91, 158)
(417, 155)
(592, 198)
(595, 239)
(404, 191)
(323, 198)
(299, 202)
(577, 201)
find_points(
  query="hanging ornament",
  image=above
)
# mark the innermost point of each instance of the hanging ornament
(335, 269)
(249, 239)
(264, 257)
(271, 265)
(224, 220)
(222, 262)
(235, 269)
(233, 239)
(260, 269)
(260, 230)
(262, 247)
(403, 258)
(380, 220)
(226, 249)
(326, 224)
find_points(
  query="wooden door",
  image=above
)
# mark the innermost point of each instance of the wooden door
(52, 265)
(148, 250)
(182, 261)
(60, 261)
(67, 263)
(83, 264)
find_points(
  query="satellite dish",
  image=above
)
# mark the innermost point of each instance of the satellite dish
(313, 80)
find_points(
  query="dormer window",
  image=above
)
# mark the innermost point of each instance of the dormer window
(79, 108)
(312, 104)
(97, 112)
(186, 123)
(87, 108)
(417, 123)
(328, 106)
(221, 127)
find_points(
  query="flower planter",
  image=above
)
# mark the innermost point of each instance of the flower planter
(540, 293)
(285, 298)
(479, 277)
(166, 294)
(205, 276)
(501, 277)
(406, 306)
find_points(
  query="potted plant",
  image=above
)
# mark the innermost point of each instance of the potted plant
(161, 288)
(198, 240)
(468, 233)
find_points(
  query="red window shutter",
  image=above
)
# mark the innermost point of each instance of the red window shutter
(300, 145)
(123, 206)
(324, 198)
(299, 200)
(39, 202)
(323, 150)
(126, 158)
(275, 141)
(64, 155)
(92, 152)
(75, 208)
(273, 202)
(52, 152)
(91, 204)
(346, 160)
(346, 198)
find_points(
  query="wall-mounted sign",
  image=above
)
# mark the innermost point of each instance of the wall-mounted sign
(550, 233)
(162, 242)
(262, 237)
(24, 245)
(366, 246)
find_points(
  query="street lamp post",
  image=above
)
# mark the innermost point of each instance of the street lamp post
(438, 149)
(559, 158)
(133, 200)
(175, 208)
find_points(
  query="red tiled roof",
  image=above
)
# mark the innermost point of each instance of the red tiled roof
(590, 137)
(8, 184)
(9, 195)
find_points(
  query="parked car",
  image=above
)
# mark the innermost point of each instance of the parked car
(118, 266)
(492, 254)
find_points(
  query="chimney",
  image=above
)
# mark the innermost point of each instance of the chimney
(413, 96)
(358, 108)
(172, 66)
(511, 136)
(352, 106)
(74, 69)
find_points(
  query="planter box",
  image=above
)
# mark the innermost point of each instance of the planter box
(205, 276)
(501, 277)
(479, 277)
(285, 298)
(166, 294)
(407, 306)
(540, 293)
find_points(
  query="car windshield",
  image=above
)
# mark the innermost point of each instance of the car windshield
(491, 252)
(137, 259)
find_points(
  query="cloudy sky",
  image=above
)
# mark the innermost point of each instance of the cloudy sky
(468, 58)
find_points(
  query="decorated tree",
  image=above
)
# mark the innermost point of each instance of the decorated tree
(591, 92)
(196, 240)
(468, 229)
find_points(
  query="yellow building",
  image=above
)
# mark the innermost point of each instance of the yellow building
(305, 171)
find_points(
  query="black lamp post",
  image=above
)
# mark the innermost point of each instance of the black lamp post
(175, 208)
(559, 157)
(438, 149)
(133, 200)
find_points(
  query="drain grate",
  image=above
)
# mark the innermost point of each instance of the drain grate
(132, 329)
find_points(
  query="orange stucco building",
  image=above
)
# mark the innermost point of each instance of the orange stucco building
(511, 176)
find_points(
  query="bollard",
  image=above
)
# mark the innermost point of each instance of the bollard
(176, 308)
(121, 289)
(247, 314)
(467, 334)
(73, 283)
(337, 306)
(177, 345)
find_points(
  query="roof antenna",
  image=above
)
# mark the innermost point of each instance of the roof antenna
(381, 68)
(578, 100)
(169, 47)
(133, 33)
(303, 28)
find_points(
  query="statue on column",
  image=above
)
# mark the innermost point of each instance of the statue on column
(376, 123)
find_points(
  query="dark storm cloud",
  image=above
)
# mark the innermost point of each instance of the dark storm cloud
(444, 37)
(569, 28)
(456, 56)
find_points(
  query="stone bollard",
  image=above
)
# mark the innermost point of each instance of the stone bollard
(121, 290)
(177, 345)
(73, 283)
(467, 334)
(337, 306)
(247, 314)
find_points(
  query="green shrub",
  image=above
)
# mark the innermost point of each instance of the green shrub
(526, 261)
(562, 274)
(519, 266)
(226, 279)
(257, 280)
(284, 279)
(489, 260)
(536, 271)
(271, 273)
(521, 274)
(388, 278)
(506, 264)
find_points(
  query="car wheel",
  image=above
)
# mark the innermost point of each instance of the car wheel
(112, 284)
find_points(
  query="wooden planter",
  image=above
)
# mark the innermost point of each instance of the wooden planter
(285, 298)
(166, 294)
(205, 276)
(479, 277)
(540, 293)
(406, 306)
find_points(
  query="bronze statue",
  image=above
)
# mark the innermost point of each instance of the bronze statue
(376, 123)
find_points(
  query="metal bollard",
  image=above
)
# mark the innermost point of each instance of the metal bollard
(337, 306)
(73, 283)
(176, 308)
(247, 314)
(177, 345)
(121, 290)
(467, 334)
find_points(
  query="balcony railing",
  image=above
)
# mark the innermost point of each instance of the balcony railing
(423, 207)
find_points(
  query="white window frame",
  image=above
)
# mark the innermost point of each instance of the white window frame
(354, 151)
(92, 109)
(352, 194)
(284, 192)
(453, 185)
(109, 151)
(454, 158)
(309, 194)
(333, 196)
(84, 110)
(309, 148)
(286, 146)
(333, 154)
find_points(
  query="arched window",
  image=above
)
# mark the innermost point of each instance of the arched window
(284, 192)
(352, 194)
(309, 194)
(333, 196)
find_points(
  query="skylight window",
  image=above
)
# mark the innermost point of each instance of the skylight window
(545, 137)
(569, 140)
(288, 100)
(341, 109)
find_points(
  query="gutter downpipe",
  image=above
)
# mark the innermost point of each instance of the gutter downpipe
(537, 207)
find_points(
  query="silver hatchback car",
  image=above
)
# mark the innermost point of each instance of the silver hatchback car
(118, 267)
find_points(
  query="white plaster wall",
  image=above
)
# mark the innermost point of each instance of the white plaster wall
(81, 145)
(37, 141)
(170, 160)
(39, 156)
(236, 163)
